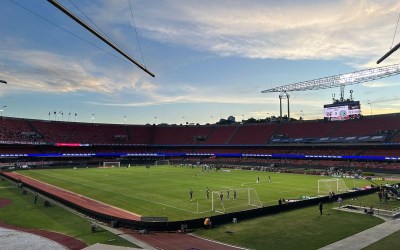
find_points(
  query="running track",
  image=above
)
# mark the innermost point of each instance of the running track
(74, 198)
(178, 241)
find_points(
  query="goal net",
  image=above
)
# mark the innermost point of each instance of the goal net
(325, 186)
(231, 200)
(111, 164)
(161, 162)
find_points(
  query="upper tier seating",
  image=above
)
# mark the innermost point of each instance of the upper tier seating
(81, 132)
(16, 130)
(253, 134)
(307, 129)
(220, 134)
(25, 130)
(174, 135)
(367, 126)
(140, 134)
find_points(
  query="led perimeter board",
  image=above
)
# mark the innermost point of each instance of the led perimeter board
(340, 111)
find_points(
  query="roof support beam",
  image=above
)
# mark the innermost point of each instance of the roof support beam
(101, 37)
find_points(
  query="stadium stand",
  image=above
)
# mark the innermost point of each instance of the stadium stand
(176, 134)
(251, 141)
(140, 134)
(253, 134)
(367, 126)
(80, 132)
(17, 130)
(220, 134)
(307, 129)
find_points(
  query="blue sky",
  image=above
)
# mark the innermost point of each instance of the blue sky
(211, 59)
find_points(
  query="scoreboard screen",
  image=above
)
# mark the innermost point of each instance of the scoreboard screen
(342, 111)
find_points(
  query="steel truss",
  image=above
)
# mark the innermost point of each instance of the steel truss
(340, 80)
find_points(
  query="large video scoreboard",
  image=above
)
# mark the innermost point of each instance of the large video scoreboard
(340, 111)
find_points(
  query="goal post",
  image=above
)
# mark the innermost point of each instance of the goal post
(231, 200)
(111, 164)
(336, 185)
(161, 162)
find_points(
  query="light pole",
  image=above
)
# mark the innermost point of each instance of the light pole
(124, 119)
(183, 120)
(155, 120)
(2, 110)
(93, 118)
(370, 105)
(211, 119)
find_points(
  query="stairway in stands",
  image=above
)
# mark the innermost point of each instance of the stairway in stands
(228, 141)
(34, 129)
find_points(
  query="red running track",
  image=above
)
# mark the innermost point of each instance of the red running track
(178, 241)
(77, 199)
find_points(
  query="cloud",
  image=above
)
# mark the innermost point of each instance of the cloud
(184, 99)
(185, 94)
(47, 72)
(385, 100)
(379, 84)
(354, 29)
(357, 29)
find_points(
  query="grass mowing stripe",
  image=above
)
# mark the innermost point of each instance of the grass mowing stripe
(110, 191)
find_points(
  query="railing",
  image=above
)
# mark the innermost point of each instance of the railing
(379, 209)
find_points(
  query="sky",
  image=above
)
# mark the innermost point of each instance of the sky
(211, 59)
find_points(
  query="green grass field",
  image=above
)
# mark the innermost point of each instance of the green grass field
(297, 229)
(303, 228)
(164, 190)
(24, 213)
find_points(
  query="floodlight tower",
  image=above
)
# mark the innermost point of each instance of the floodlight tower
(284, 95)
(2, 109)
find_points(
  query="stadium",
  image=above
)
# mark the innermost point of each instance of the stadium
(54, 152)
(275, 182)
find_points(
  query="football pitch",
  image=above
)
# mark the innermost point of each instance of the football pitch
(164, 191)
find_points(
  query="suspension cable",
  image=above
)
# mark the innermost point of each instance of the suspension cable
(83, 13)
(394, 35)
(69, 32)
(137, 37)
